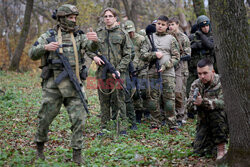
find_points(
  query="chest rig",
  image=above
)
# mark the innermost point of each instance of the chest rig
(69, 47)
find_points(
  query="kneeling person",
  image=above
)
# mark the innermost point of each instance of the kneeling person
(212, 127)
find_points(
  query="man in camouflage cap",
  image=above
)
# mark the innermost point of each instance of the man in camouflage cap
(116, 46)
(54, 95)
(141, 48)
(212, 127)
(202, 46)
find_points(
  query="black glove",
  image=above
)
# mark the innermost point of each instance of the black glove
(186, 58)
(190, 115)
(196, 45)
(84, 73)
(198, 33)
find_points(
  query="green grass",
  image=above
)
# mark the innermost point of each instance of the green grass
(19, 107)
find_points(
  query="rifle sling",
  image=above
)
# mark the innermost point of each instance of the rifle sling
(76, 56)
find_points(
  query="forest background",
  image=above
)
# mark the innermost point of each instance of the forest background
(13, 33)
(23, 21)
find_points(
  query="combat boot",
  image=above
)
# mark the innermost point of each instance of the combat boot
(77, 156)
(39, 148)
(221, 150)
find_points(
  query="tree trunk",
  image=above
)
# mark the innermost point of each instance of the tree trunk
(230, 28)
(14, 62)
(183, 22)
(131, 10)
(199, 7)
(7, 28)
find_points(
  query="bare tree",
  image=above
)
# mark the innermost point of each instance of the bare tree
(183, 22)
(7, 26)
(14, 62)
(199, 7)
(231, 32)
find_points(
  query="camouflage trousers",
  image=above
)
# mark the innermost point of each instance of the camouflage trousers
(130, 110)
(180, 94)
(112, 102)
(165, 99)
(212, 129)
(53, 98)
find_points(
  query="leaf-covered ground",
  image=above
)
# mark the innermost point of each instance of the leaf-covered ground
(144, 147)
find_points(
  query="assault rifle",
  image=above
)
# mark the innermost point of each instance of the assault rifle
(68, 72)
(110, 68)
(150, 29)
(135, 81)
(196, 91)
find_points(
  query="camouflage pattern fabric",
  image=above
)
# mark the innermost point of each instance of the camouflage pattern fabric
(63, 93)
(212, 126)
(181, 75)
(168, 45)
(200, 51)
(111, 105)
(116, 46)
(141, 47)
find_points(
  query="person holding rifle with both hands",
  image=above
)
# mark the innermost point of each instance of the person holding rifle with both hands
(212, 127)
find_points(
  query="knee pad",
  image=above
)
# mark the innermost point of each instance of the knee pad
(152, 105)
(169, 107)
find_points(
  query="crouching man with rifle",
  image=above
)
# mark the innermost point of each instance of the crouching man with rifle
(60, 52)
(116, 47)
(206, 100)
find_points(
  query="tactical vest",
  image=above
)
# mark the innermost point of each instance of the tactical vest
(68, 50)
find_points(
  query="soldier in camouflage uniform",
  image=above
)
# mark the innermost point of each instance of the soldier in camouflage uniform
(212, 127)
(169, 55)
(181, 70)
(54, 95)
(116, 46)
(141, 47)
(202, 47)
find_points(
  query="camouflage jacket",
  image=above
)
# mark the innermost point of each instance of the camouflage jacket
(169, 46)
(116, 46)
(141, 47)
(212, 96)
(202, 46)
(186, 50)
(37, 51)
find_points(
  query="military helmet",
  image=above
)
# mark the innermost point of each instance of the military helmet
(203, 21)
(129, 26)
(66, 10)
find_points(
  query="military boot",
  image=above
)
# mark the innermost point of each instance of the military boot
(77, 156)
(221, 150)
(39, 148)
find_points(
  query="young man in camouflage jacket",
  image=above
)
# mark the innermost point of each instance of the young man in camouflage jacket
(181, 69)
(206, 99)
(117, 47)
(168, 54)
